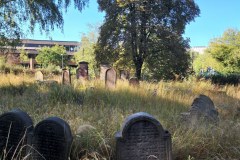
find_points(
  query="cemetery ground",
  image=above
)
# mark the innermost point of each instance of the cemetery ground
(95, 114)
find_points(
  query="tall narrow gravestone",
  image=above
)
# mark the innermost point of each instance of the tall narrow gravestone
(51, 140)
(124, 75)
(15, 128)
(103, 68)
(82, 71)
(39, 76)
(143, 138)
(66, 76)
(111, 78)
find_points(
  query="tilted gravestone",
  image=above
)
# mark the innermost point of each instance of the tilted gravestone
(82, 71)
(39, 76)
(103, 68)
(15, 128)
(51, 140)
(66, 76)
(124, 75)
(111, 78)
(143, 138)
(134, 82)
(202, 109)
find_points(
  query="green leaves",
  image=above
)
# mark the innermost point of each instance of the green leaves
(46, 13)
(53, 56)
(226, 50)
(145, 30)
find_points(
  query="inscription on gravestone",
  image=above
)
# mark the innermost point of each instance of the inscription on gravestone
(39, 76)
(52, 140)
(111, 78)
(82, 71)
(15, 128)
(143, 138)
(66, 76)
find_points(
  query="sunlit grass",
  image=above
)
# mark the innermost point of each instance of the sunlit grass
(91, 104)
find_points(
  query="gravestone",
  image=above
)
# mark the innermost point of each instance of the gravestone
(103, 68)
(111, 78)
(124, 75)
(134, 82)
(202, 109)
(82, 71)
(51, 140)
(143, 138)
(39, 76)
(15, 128)
(66, 76)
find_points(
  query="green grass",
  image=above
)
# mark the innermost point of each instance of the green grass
(99, 113)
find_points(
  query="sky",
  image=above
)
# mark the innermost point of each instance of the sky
(216, 16)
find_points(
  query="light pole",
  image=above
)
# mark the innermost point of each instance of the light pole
(62, 60)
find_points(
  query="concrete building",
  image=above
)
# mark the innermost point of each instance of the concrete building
(31, 47)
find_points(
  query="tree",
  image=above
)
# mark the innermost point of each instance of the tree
(226, 50)
(139, 27)
(55, 55)
(205, 60)
(86, 53)
(46, 13)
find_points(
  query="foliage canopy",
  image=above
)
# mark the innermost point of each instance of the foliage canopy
(55, 55)
(226, 50)
(144, 31)
(46, 13)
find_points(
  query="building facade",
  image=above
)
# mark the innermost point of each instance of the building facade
(31, 47)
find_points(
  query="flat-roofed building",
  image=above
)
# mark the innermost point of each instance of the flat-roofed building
(31, 47)
(199, 49)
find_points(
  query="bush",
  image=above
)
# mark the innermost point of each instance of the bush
(231, 79)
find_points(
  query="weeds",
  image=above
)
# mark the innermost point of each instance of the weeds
(89, 103)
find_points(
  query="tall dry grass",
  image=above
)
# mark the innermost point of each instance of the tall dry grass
(95, 114)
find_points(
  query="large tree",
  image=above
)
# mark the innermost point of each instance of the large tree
(139, 27)
(14, 14)
(226, 50)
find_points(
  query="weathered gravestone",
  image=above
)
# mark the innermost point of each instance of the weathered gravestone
(39, 76)
(143, 138)
(124, 75)
(66, 76)
(134, 82)
(82, 71)
(15, 128)
(103, 68)
(111, 78)
(202, 110)
(51, 140)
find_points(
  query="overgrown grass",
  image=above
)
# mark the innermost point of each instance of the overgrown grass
(95, 114)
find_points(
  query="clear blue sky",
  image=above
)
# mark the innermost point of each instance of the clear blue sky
(216, 16)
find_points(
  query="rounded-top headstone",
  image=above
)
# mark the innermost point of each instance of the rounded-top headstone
(39, 76)
(143, 137)
(111, 78)
(203, 107)
(82, 71)
(15, 128)
(103, 68)
(134, 82)
(52, 140)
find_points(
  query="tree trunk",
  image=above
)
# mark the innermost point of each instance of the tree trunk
(138, 68)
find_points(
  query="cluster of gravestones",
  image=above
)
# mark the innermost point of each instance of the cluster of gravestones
(108, 74)
(142, 137)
